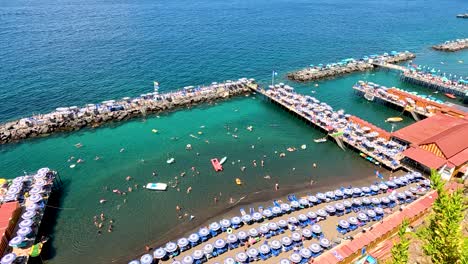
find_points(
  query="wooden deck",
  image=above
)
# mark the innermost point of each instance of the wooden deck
(325, 130)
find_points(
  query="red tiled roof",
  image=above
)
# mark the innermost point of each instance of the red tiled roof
(424, 157)
(428, 128)
(461, 157)
(451, 141)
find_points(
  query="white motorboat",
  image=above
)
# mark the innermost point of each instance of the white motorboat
(158, 186)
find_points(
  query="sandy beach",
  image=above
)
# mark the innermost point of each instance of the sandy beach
(265, 199)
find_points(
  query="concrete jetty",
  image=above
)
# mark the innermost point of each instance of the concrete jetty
(369, 140)
(346, 66)
(434, 79)
(93, 115)
(418, 106)
(452, 45)
(24, 200)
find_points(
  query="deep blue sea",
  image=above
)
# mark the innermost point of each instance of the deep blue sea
(70, 52)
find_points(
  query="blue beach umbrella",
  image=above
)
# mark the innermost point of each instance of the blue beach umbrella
(370, 213)
(276, 210)
(312, 199)
(325, 243)
(322, 213)
(304, 202)
(286, 241)
(8, 258)
(14, 242)
(208, 248)
(219, 243)
(315, 248)
(267, 213)
(282, 223)
(198, 254)
(352, 220)
(295, 204)
(285, 207)
(295, 258)
(316, 229)
(28, 214)
(272, 226)
(263, 229)
(257, 216)
(253, 232)
(312, 215)
(242, 235)
(159, 253)
(146, 259)
(229, 261)
(225, 223)
(187, 259)
(306, 233)
(252, 252)
(241, 257)
(296, 237)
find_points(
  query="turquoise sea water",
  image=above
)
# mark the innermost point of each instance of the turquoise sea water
(75, 52)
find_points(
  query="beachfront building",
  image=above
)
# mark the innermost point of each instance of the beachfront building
(439, 142)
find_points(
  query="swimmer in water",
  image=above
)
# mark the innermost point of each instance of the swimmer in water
(243, 168)
(254, 162)
(262, 163)
(189, 189)
(178, 208)
(154, 173)
(128, 178)
(276, 186)
(97, 158)
(314, 165)
(122, 150)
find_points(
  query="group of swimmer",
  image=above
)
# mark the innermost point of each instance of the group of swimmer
(99, 224)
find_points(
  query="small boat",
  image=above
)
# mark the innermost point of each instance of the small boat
(238, 181)
(320, 140)
(188, 147)
(170, 161)
(223, 160)
(394, 119)
(449, 95)
(72, 166)
(250, 128)
(158, 186)
(216, 165)
(154, 130)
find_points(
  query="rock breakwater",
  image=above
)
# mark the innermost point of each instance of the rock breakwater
(73, 118)
(346, 66)
(452, 45)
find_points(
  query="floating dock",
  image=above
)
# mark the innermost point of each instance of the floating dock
(346, 66)
(452, 45)
(27, 197)
(372, 142)
(291, 231)
(430, 78)
(417, 106)
(92, 115)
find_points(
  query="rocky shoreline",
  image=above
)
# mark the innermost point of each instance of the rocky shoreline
(67, 119)
(453, 45)
(348, 66)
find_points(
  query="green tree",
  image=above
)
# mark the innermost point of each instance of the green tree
(442, 238)
(400, 249)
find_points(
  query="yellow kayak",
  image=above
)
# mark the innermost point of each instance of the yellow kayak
(394, 119)
(238, 181)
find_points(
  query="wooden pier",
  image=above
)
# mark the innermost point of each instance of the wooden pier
(340, 140)
(399, 100)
